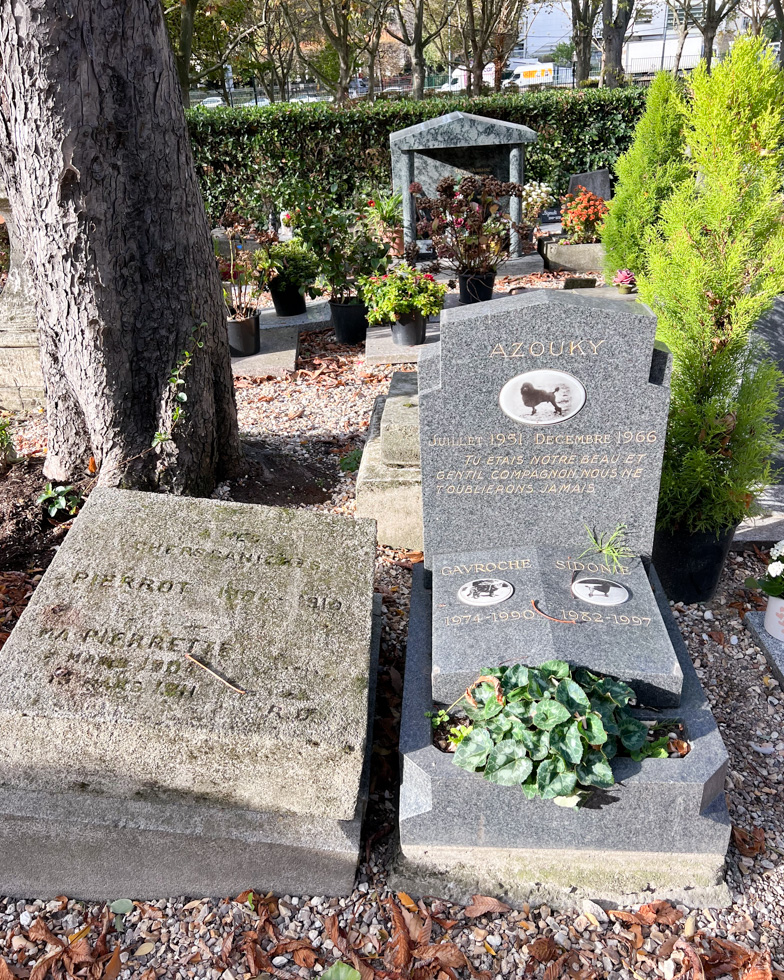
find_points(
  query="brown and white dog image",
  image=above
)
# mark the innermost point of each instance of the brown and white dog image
(536, 396)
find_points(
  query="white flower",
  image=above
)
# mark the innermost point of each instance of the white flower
(775, 569)
(777, 550)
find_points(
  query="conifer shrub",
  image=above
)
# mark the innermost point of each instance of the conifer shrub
(647, 174)
(714, 267)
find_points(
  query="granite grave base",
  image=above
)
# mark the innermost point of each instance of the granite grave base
(770, 646)
(662, 829)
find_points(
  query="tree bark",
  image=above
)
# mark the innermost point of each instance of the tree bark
(613, 33)
(182, 56)
(96, 156)
(708, 37)
(584, 14)
(778, 10)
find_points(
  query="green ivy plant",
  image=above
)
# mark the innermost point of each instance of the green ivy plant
(549, 730)
(60, 500)
(177, 384)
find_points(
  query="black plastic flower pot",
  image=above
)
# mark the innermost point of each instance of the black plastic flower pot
(690, 565)
(409, 330)
(475, 288)
(244, 336)
(287, 299)
(349, 321)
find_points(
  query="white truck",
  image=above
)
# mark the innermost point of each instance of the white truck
(529, 73)
(458, 80)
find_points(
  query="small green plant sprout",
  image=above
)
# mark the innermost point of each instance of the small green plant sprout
(438, 718)
(611, 546)
(350, 462)
(548, 729)
(177, 383)
(59, 500)
(7, 451)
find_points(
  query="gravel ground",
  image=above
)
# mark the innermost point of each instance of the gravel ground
(328, 401)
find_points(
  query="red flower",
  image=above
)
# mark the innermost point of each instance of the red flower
(371, 204)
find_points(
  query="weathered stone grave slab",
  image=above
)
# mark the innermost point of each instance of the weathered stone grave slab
(770, 646)
(193, 651)
(585, 444)
(400, 421)
(458, 143)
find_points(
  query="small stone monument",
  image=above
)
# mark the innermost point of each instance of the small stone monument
(21, 381)
(184, 704)
(595, 181)
(458, 143)
(542, 422)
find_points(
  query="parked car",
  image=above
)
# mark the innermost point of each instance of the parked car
(357, 86)
(212, 102)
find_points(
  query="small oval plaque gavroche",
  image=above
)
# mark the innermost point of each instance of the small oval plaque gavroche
(485, 591)
(600, 591)
(542, 397)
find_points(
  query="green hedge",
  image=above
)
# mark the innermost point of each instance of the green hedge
(238, 149)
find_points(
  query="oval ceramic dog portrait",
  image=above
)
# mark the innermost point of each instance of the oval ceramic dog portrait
(542, 397)
(600, 591)
(485, 592)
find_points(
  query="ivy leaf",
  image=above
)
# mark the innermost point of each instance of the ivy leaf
(553, 780)
(484, 710)
(595, 770)
(606, 711)
(572, 696)
(567, 743)
(593, 729)
(521, 710)
(537, 743)
(530, 787)
(547, 714)
(473, 751)
(610, 747)
(633, 733)
(508, 764)
(499, 726)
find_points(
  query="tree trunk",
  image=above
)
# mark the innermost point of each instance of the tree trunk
(708, 37)
(417, 72)
(95, 152)
(182, 57)
(583, 52)
(612, 60)
(684, 30)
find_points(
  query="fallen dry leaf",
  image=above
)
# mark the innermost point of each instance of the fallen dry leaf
(543, 950)
(749, 845)
(112, 969)
(553, 970)
(693, 959)
(336, 935)
(407, 902)
(626, 916)
(398, 952)
(306, 957)
(5, 973)
(482, 904)
(678, 745)
(759, 967)
(39, 932)
(661, 912)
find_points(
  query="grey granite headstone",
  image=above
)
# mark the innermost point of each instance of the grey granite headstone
(596, 181)
(192, 651)
(459, 144)
(584, 448)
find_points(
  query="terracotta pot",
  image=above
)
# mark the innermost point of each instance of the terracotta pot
(395, 238)
(774, 618)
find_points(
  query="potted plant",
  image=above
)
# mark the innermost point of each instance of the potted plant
(625, 280)
(404, 298)
(288, 271)
(714, 267)
(239, 295)
(346, 248)
(385, 215)
(469, 230)
(535, 198)
(578, 249)
(772, 584)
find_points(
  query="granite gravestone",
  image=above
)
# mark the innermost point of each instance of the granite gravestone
(459, 144)
(542, 417)
(193, 653)
(596, 181)
(539, 415)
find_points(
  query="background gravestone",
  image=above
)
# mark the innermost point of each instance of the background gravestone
(596, 181)
(458, 143)
(197, 654)
(21, 381)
